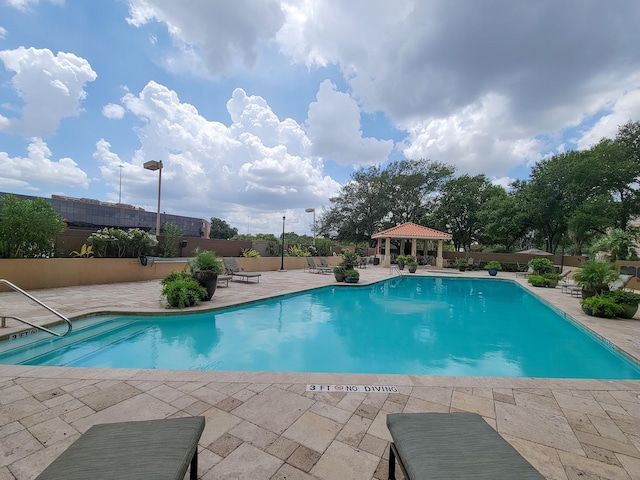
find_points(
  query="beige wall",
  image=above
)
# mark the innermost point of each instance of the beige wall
(36, 273)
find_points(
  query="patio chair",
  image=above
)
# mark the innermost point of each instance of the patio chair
(525, 274)
(232, 269)
(312, 267)
(452, 445)
(364, 261)
(158, 449)
(620, 283)
(323, 262)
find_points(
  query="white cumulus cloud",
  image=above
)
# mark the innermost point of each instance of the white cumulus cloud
(334, 128)
(113, 111)
(50, 86)
(39, 168)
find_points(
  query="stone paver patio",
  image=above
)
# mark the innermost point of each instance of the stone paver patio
(266, 426)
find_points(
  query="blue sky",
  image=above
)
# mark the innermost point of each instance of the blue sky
(260, 109)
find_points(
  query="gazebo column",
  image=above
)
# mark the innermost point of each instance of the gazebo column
(414, 247)
(439, 260)
(387, 252)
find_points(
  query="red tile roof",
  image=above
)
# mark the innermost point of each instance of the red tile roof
(411, 230)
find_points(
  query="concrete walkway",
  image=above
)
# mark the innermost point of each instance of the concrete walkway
(266, 426)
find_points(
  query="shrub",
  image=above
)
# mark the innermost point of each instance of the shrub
(173, 276)
(205, 260)
(250, 253)
(600, 306)
(622, 297)
(349, 260)
(183, 291)
(298, 251)
(118, 243)
(172, 236)
(401, 259)
(595, 276)
(28, 228)
(493, 265)
(537, 281)
(541, 265)
(352, 272)
(461, 262)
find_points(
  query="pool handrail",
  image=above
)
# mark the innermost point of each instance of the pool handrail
(39, 327)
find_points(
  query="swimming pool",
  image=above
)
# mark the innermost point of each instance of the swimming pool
(410, 325)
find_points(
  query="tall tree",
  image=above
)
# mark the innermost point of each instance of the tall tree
(221, 229)
(503, 221)
(28, 227)
(459, 206)
(376, 199)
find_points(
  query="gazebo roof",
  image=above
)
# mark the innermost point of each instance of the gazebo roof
(412, 230)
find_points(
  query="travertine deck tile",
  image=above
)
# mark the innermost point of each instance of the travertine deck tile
(567, 428)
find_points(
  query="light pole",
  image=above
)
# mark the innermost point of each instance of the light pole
(282, 254)
(120, 194)
(309, 210)
(154, 165)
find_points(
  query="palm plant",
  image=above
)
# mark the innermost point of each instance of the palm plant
(594, 277)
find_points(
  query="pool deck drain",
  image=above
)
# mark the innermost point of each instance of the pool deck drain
(566, 428)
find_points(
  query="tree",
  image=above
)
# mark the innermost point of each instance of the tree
(28, 227)
(221, 229)
(171, 246)
(376, 199)
(459, 206)
(503, 221)
(618, 245)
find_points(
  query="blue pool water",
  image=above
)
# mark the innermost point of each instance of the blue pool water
(410, 325)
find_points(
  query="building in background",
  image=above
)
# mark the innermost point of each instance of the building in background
(84, 213)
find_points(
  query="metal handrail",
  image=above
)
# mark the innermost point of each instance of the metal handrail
(39, 327)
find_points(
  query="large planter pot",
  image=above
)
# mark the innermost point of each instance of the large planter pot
(400, 265)
(630, 310)
(339, 276)
(208, 279)
(412, 268)
(351, 279)
(493, 272)
(552, 283)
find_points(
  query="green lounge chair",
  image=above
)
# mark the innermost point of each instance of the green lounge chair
(150, 449)
(452, 446)
(232, 269)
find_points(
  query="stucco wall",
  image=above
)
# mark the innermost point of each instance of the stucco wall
(35, 273)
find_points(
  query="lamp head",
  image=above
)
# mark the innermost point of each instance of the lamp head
(309, 210)
(153, 165)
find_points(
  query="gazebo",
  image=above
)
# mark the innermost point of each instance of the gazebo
(409, 232)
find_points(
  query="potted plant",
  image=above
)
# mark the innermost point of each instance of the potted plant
(412, 264)
(401, 260)
(540, 266)
(627, 300)
(349, 260)
(537, 280)
(182, 290)
(351, 276)
(493, 267)
(461, 264)
(552, 279)
(338, 273)
(600, 306)
(205, 267)
(594, 277)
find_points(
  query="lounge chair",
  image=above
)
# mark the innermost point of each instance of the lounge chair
(158, 449)
(525, 274)
(364, 261)
(225, 279)
(323, 262)
(452, 445)
(232, 269)
(312, 267)
(620, 283)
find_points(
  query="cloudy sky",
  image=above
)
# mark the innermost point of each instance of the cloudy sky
(263, 108)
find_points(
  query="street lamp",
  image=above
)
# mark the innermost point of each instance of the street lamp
(154, 165)
(282, 254)
(120, 194)
(309, 210)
